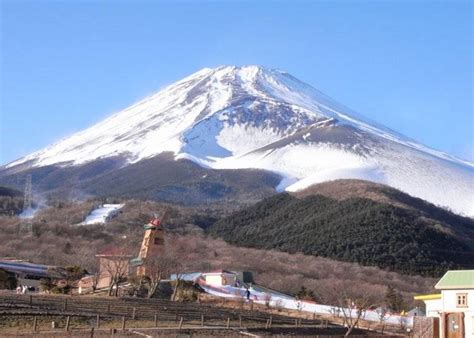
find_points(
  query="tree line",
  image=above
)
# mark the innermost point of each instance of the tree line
(354, 230)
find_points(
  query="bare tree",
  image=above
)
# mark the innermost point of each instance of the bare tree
(178, 259)
(352, 303)
(267, 298)
(384, 315)
(177, 270)
(157, 268)
(84, 257)
(116, 266)
(95, 277)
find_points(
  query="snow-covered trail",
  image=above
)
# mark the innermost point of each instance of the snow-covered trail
(102, 214)
(264, 296)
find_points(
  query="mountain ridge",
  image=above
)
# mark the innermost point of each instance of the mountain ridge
(251, 117)
(410, 237)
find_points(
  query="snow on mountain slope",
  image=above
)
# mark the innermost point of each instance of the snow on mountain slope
(253, 117)
(102, 214)
(338, 151)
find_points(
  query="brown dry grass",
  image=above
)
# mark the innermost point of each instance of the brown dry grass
(57, 240)
(345, 189)
(288, 272)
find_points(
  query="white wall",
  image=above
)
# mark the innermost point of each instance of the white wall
(433, 307)
(214, 280)
(219, 279)
(449, 300)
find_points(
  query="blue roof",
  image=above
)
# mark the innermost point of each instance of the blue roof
(36, 270)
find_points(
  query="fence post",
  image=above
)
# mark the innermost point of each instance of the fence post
(35, 323)
(67, 324)
(65, 305)
(133, 313)
(202, 319)
(97, 321)
(92, 332)
(123, 323)
(270, 321)
(156, 319)
(181, 323)
(228, 322)
(266, 324)
(240, 321)
(296, 322)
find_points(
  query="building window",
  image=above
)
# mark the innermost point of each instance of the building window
(461, 299)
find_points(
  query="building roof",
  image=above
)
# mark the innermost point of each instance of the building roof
(428, 297)
(31, 269)
(114, 251)
(416, 311)
(218, 272)
(456, 279)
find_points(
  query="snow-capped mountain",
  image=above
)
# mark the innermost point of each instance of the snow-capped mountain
(253, 117)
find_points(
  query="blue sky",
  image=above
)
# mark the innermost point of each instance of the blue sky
(66, 65)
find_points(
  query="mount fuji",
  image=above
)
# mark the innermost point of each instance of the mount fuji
(248, 119)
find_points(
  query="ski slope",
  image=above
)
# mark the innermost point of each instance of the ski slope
(102, 214)
(275, 299)
(262, 295)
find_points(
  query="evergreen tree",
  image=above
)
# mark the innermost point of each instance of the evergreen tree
(393, 299)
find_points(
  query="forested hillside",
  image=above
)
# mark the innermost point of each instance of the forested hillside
(354, 230)
(11, 201)
(57, 239)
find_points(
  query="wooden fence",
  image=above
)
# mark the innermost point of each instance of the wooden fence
(127, 310)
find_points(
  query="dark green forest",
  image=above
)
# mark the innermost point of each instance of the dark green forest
(11, 201)
(353, 230)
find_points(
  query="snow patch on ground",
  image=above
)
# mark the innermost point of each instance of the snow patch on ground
(201, 140)
(368, 173)
(240, 139)
(296, 161)
(263, 295)
(285, 183)
(103, 214)
(275, 299)
(417, 173)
